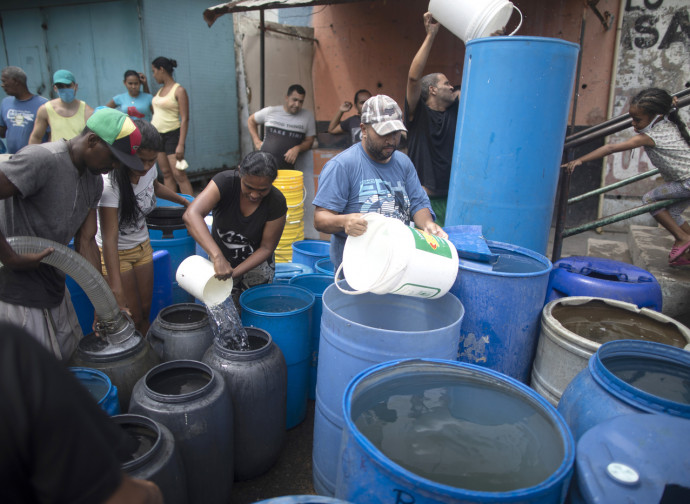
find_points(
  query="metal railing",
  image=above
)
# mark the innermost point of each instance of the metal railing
(590, 134)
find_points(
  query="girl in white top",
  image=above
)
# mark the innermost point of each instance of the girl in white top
(123, 237)
(666, 140)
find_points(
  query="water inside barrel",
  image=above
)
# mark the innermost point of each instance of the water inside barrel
(463, 434)
(661, 378)
(600, 322)
(178, 381)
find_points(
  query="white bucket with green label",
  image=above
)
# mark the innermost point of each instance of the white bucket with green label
(392, 258)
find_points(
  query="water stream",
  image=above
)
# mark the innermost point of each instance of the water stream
(227, 326)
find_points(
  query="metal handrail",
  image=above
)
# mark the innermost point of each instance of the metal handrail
(596, 132)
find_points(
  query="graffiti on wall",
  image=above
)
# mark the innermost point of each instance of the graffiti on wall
(654, 51)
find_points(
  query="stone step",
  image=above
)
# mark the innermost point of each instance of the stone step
(609, 249)
(649, 249)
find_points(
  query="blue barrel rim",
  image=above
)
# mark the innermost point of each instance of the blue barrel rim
(381, 461)
(315, 276)
(296, 248)
(625, 392)
(145, 422)
(303, 499)
(100, 374)
(321, 269)
(279, 286)
(391, 331)
(178, 398)
(509, 247)
(523, 38)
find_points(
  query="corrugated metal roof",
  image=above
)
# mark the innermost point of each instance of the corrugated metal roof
(213, 13)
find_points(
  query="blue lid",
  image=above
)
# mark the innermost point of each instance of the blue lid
(605, 269)
(632, 458)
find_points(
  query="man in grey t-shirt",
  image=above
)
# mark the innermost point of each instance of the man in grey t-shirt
(289, 128)
(51, 191)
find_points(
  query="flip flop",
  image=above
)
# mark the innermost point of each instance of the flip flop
(681, 261)
(677, 251)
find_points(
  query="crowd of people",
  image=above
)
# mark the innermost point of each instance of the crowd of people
(90, 176)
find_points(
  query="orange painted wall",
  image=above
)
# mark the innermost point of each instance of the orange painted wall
(370, 44)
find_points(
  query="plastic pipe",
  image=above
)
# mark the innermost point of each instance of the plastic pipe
(111, 320)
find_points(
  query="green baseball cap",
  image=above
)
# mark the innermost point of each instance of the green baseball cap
(63, 77)
(119, 133)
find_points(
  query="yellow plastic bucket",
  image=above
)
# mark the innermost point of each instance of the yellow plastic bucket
(291, 184)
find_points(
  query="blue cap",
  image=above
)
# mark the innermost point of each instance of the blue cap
(63, 77)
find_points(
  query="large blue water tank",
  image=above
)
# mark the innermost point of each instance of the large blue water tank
(510, 132)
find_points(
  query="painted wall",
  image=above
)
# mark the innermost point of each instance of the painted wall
(41, 36)
(206, 68)
(371, 45)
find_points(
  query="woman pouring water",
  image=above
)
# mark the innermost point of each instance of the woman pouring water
(248, 220)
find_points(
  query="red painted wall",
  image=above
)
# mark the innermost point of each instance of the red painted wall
(371, 45)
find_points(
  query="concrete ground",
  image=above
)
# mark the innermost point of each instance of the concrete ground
(292, 474)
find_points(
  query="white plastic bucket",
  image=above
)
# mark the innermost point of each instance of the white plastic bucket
(392, 258)
(471, 19)
(196, 275)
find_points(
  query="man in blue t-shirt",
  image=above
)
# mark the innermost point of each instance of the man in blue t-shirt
(18, 109)
(371, 177)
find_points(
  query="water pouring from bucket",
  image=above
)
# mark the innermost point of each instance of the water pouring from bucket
(471, 19)
(393, 258)
(197, 276)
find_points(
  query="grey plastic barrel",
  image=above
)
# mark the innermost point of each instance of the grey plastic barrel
(190, 398)
(562, 353)
(257, 381)
(152, 455)
(181, 331)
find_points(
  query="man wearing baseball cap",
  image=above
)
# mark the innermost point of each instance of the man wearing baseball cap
(371, 176)
(65, 115)
(52, 191)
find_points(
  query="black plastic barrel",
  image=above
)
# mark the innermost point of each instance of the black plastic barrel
(181, 331)
(191, 399)
(257, 380)
(150, 454)
(124, 362)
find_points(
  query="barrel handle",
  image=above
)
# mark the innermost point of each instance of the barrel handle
(304, 189)
(519, 24)
(376, 282)
(337, 274)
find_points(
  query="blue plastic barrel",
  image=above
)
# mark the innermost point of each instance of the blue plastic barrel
(285, 312)
(82, 305)
(100, 387)
(503, 306)
(599, 277)
(286, 271)
(429, 431)
(636, 466)
(325, 266)
(162, 283)
(315, 284)
(309, 251)
(514, 106)
(172, 236)
(358, 332)
(624, 377)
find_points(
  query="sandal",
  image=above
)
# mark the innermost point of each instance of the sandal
(677, 251)
(681, 261)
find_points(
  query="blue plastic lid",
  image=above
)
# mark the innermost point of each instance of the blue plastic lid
(605, 269)
(632, 458)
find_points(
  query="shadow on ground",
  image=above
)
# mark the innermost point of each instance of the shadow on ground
(291, 475)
